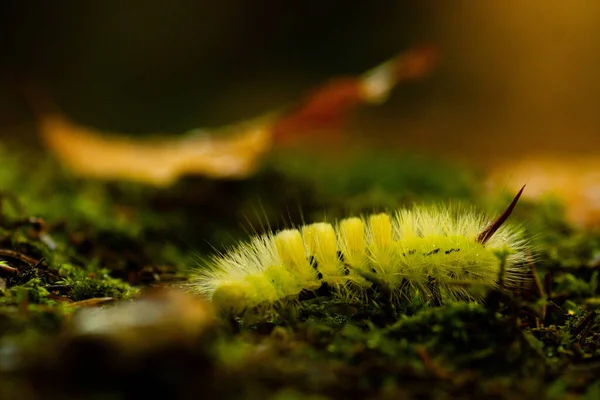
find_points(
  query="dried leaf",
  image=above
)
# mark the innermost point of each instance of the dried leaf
(229, 152)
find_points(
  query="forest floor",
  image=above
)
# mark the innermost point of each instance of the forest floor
(93, 276)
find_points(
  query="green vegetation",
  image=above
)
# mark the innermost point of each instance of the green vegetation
(69, 246)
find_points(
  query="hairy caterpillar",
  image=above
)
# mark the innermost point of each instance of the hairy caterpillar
(424, 251)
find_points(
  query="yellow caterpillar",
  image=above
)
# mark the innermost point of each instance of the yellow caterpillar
(424, 251)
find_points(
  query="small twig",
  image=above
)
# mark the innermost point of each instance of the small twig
(430, 364)
(584, 333)
(57, 287)
(19, 256)
(93, 302)
(39, 263)
(539, 287)
(8, 268)
(584, 323)
(61, 299)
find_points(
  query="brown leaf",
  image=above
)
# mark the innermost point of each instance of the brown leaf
(229, 152)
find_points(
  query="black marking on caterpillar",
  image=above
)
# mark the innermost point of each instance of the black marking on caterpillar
(451, 250)
(434, 251)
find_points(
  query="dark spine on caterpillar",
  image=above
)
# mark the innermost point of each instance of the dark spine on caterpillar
(489, 231)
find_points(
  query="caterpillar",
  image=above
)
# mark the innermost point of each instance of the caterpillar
(426, 251)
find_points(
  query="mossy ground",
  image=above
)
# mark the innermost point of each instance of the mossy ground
(68, 245)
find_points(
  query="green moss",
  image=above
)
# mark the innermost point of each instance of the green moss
(85, 285)
(102, 233)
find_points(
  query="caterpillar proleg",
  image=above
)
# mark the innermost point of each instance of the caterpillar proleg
(422, 251)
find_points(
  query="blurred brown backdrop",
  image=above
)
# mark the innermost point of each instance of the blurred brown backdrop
(514, 77)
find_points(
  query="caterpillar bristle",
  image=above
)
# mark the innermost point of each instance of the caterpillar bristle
(489, 231)
(425, 252)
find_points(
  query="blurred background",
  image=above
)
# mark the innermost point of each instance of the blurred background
(513, 78)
